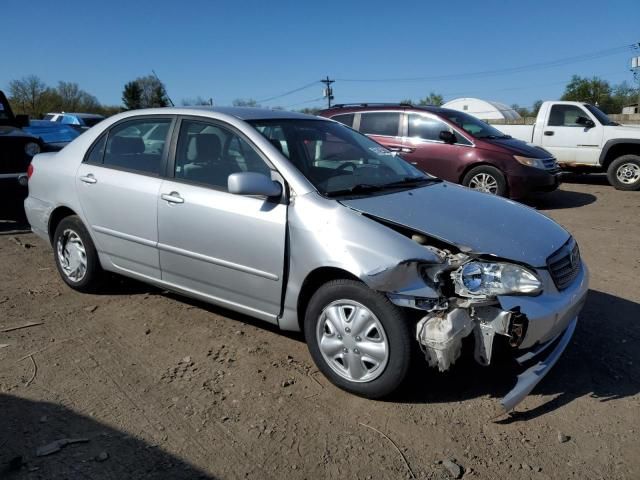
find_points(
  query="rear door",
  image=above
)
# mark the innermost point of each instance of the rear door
(570, 142)
(424, 149)
(384, 127)
(118, 185)
(227, 248)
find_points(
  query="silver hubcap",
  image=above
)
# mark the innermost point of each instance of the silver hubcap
(72, 255)
(484, 182)
(352, 341)
(628, 173)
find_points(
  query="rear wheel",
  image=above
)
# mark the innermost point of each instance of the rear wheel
(624, 172)
(358, 339)
(485, 178)
(75, 255)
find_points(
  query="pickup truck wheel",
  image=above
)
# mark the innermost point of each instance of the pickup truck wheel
(75, 255)
(486, 179)
(624, 172)
(358, 339)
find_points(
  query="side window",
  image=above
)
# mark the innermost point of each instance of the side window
(96, 154)
(565, 116)
(207, 154)
(345, 118)
(380, 123)
(130, 145)
(426, 128)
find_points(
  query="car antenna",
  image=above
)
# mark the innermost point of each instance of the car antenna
(165, 90)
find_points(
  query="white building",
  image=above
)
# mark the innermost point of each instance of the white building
(483, 109)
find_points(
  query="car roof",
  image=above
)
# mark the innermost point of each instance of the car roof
(364, 107)
(246, 113)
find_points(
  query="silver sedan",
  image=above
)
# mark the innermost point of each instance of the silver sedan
(307, 224)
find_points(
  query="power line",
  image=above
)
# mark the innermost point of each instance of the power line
(305, 102)
(289, 92)
(502, 71)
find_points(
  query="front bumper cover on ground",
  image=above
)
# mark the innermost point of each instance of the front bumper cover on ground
(528, 379)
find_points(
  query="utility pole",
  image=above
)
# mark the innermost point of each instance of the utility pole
(328, 91)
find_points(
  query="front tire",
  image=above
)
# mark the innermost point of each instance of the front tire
(486, 178)
(624, 173)
(75, 255)
(358, 339)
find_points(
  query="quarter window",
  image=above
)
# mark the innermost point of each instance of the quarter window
(96, 154)
(565, 116)
(380, 123)
(345, 118)
(133, 146)
(207, 154)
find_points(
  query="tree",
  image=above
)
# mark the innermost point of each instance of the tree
(522, 111)
(132, 96)
(241, 102)
(158, 97)
(432, 99)
(31, 96)
(73, 99)
(536, 108)
(407, 101)
(591, 90)
(196, 101)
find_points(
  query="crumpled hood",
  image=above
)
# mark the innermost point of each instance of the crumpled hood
(473, 221)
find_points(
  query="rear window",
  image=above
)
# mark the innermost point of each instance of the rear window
(91, 121)
(380, 123)
(345, 119)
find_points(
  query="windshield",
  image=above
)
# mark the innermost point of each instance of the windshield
(472, 125)
(600, 115)
(338, 160)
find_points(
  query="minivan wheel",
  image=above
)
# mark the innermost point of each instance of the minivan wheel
(358, 339)
(485, 178)
(624, 172)
(75, 255)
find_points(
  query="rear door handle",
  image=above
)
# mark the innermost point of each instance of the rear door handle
(549, 133)
(88, 179)
(173, 197)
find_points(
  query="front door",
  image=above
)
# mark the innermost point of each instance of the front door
(383, 127)
(424, 148)
(226, 248)
(118, 185)
(570, 142)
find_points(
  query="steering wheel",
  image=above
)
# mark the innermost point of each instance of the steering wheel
(346, 165)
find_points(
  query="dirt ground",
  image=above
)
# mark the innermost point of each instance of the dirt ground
(159, 386)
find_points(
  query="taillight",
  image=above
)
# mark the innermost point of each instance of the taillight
(30, 170)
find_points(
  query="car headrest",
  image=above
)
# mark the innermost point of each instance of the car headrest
(127, 145)
(208, 147)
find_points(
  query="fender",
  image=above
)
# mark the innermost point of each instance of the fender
(613, 142)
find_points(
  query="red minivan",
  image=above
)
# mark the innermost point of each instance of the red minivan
(454, 146)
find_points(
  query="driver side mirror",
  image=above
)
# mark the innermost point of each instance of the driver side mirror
(586, 122)
(22, 121)
(447, 136)
(253, 183)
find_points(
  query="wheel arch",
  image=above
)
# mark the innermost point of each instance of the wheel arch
(481, 163)
(617, 148)
(314, 280)
(57, 215)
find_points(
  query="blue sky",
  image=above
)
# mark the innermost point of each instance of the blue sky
(260, 49)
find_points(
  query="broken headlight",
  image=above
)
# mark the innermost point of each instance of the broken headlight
(487, 279)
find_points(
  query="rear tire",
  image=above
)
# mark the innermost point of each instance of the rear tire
(75, 255)
(486, 178)
(358, 339)
(624, 173)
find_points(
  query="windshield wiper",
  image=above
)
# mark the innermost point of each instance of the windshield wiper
(367, 187)
(358, 188)
(412, 181)
(496, 137)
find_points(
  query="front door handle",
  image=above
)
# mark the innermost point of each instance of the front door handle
(88, 179)
(549, 133)
(173, 197)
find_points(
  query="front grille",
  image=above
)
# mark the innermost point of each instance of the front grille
(564, 265)
(550, 165)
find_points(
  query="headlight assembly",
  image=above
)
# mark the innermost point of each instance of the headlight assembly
(530, 162)
(487, 279)
(32, 149)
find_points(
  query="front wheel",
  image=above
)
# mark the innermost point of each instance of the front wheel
(358, 339)
(486, 178)
(624, 172)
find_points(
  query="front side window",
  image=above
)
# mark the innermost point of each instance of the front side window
(566, 116)
(339, 161)
(208, 153)
(426, 128)
(380, 123)
(128, 146)
(472, 125)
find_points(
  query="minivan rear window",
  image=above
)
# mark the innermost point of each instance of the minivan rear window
(345, 119)
(380, 123)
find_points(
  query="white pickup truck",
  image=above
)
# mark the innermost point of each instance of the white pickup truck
(583, 138)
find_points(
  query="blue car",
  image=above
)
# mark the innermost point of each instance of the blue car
(54, 136)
